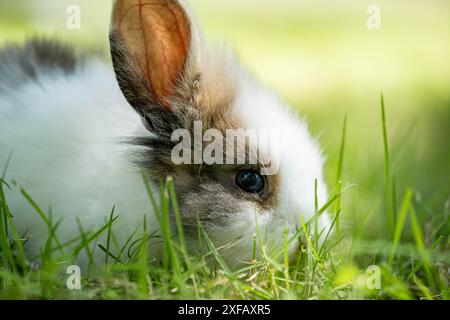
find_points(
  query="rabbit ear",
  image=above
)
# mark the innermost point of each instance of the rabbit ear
(164, 69)
(150, 43)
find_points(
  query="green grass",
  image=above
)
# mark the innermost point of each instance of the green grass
(413, 256)
(327, 64)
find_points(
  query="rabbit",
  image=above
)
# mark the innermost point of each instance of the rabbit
(79, 132)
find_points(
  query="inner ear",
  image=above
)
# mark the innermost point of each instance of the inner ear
(155, 36)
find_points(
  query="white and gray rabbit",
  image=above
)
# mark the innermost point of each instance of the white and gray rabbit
(80, 133)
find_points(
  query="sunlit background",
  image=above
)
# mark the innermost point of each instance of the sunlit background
(324, 61)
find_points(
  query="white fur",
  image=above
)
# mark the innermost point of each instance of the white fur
(299, 156)
(65, 134)
(300, 164)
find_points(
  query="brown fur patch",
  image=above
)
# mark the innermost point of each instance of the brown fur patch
(150, 50)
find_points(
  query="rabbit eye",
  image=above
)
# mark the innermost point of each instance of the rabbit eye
(250, 181)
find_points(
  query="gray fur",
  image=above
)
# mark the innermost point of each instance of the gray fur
(20, 64)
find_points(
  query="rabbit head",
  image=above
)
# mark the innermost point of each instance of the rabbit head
(175, 82)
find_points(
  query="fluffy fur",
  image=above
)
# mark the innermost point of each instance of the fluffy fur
(69, 131)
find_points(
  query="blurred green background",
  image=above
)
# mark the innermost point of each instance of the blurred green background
(324, 61)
